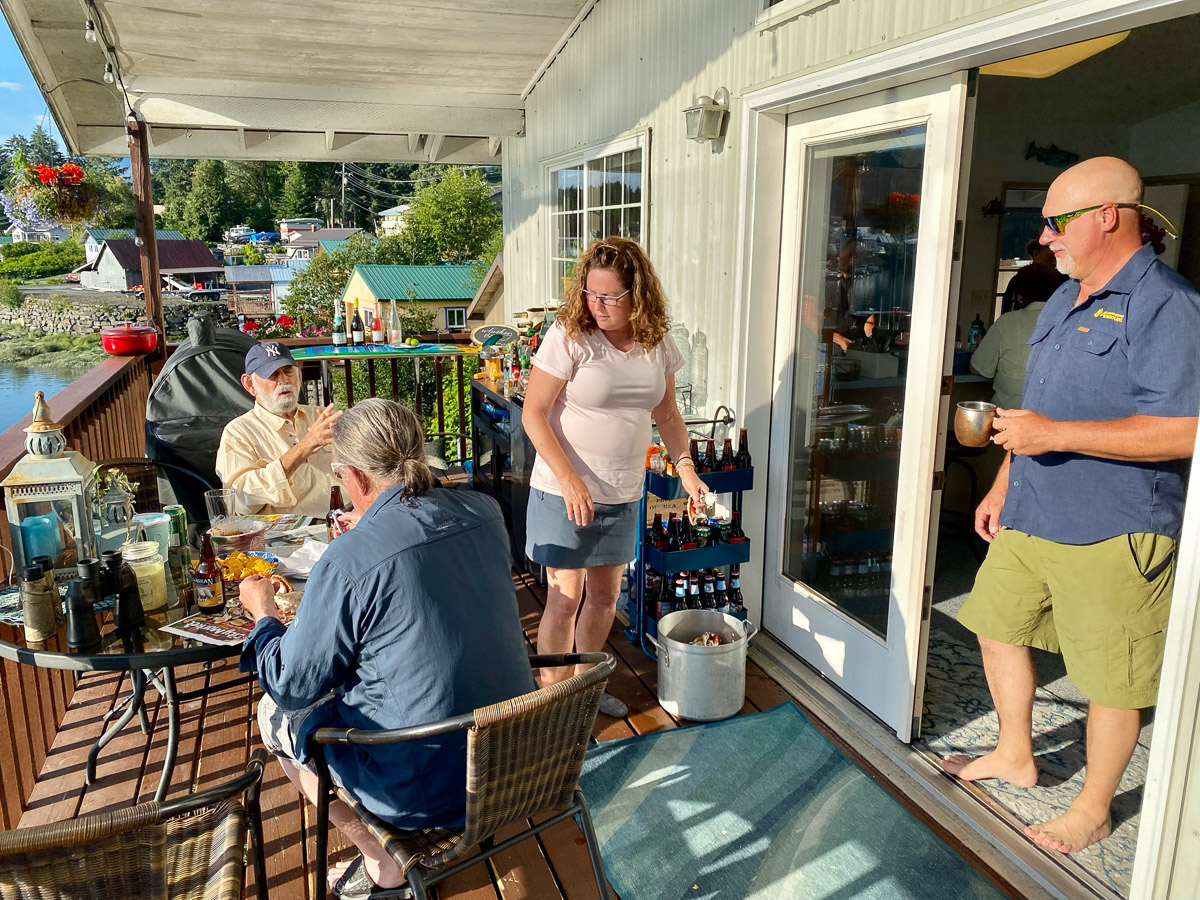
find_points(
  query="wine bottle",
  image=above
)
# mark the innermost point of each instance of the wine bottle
(339, 332)
(377, 335)
(357, 337)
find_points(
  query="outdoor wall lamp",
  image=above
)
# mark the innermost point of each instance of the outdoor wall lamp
(706, 119)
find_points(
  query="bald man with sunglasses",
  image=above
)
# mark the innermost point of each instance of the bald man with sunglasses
(1086, 510)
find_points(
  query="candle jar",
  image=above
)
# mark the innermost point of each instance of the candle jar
(147, 565)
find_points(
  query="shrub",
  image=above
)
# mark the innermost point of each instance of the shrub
(20, 248)
(10, 294)
(49, 259)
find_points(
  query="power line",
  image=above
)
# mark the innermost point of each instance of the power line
(371, 190)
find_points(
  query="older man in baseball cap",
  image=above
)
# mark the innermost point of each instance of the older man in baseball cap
(276, 456)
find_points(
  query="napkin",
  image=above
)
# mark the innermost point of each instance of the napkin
(301, 560)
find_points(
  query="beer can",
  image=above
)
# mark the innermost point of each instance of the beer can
(178, 525)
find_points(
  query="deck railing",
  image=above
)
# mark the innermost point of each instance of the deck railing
(103, 413)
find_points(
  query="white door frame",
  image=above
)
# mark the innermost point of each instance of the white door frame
(1169, 837)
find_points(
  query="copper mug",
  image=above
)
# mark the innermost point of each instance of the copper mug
(973, 422)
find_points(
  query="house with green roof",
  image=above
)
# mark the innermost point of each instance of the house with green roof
(446, 289)
(94, 238)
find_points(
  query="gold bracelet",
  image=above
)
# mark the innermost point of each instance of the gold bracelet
(685, 461)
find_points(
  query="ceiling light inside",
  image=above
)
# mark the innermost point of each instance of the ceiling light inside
(1051, 62)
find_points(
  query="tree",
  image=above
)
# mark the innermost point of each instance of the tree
(252, 256)
(452, 219)
(206, 210)
(171, 181)
(480, 265)
(301, 193)
(43, 148)
(254, 187)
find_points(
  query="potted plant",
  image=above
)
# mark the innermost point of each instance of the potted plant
(42, 196)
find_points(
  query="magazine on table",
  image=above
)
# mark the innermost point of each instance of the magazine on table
(223, 629)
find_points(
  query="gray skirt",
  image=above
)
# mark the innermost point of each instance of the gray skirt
(551, 539)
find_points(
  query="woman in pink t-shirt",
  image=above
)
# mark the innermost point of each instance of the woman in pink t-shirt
(607, 365)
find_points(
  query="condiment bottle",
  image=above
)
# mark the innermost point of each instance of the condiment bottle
(333, 528)
(37, 608)
(209, 579)
(147, 565)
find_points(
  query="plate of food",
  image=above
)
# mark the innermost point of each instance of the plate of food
(242, 563)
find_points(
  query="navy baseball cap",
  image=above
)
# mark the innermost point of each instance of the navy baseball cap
(266, 358)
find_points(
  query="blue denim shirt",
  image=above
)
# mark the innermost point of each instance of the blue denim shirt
(408, 618)
(1129, 349)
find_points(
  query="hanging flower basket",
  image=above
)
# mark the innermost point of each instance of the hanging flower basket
(43, 196)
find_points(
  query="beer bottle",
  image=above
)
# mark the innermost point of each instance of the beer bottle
(357, 337)
(687, 536)
(710, 592)
(694, 452)
(654, 532)
(680, 600)
(711, 462)
(333, 528)
(735, 589)
(339, 331)
(742, 459)
(736, 535)
(727, 463)
(377, 335)
(694, 601)
(721, 595)
(674, 540)
(209, 579)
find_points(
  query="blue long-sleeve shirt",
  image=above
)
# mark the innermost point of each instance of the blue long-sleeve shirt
(408, 618)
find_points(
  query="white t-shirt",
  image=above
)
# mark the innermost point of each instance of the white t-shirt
(602, 414)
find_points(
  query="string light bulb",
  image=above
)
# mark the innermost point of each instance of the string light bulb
(108, 73)
(89, 31)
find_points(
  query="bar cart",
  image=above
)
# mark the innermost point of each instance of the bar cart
(735, 482)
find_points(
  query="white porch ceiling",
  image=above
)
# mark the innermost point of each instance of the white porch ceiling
(361, 80)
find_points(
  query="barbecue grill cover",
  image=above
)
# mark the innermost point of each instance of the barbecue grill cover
(196, 394)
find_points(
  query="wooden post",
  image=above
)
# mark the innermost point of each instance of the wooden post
(143, 207)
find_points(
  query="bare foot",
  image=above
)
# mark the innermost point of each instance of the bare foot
(1022, 773)
(1071, 832)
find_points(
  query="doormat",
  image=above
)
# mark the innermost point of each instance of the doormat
(959, 717)
(759, 806)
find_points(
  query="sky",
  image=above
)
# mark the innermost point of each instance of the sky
(21, 103)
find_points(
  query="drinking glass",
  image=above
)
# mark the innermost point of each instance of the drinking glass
(220, 504)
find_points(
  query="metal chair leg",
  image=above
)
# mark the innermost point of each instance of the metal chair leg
(138, 686)
(416, 883)
(172, 701)
(584, 817)
(323, 791)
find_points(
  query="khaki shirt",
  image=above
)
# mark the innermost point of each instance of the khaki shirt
(248, 461)
(1003, 352)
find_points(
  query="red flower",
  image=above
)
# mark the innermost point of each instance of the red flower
(71, 173)
(285, 321)
(45, 174)
(250, 326)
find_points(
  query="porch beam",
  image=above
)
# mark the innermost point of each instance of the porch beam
(414, 142)
(433, 146)
(213, 143)
(494, 144)
(143, 208)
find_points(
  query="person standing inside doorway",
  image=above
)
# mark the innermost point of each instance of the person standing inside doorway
(606, 366)
(1086, 510)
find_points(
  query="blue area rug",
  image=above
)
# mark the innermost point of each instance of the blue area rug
(759, 806)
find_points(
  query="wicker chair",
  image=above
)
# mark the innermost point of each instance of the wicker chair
(186, 849)
(524, 757)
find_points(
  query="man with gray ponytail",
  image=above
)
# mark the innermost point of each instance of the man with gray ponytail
(408, 618)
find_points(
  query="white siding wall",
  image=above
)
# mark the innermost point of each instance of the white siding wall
(634, 66)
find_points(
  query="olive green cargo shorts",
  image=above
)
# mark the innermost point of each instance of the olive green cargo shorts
(1104, 606)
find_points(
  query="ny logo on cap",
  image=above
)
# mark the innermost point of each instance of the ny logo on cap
(272, 349)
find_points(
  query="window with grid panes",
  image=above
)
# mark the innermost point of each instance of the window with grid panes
(600, 197)
(456, 317)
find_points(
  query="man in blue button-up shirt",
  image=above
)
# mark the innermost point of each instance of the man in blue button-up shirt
(408, 618)
(1086, 509)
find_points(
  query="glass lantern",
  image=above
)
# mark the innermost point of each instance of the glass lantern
(50, 496)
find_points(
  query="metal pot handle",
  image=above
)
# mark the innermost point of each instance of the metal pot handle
(661, 648)
(749, 629)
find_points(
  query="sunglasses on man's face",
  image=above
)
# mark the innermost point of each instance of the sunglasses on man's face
(1057, 224)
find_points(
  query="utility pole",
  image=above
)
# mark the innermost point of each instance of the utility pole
(343, 222)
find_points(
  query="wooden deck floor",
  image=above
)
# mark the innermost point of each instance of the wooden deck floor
(219, 731)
